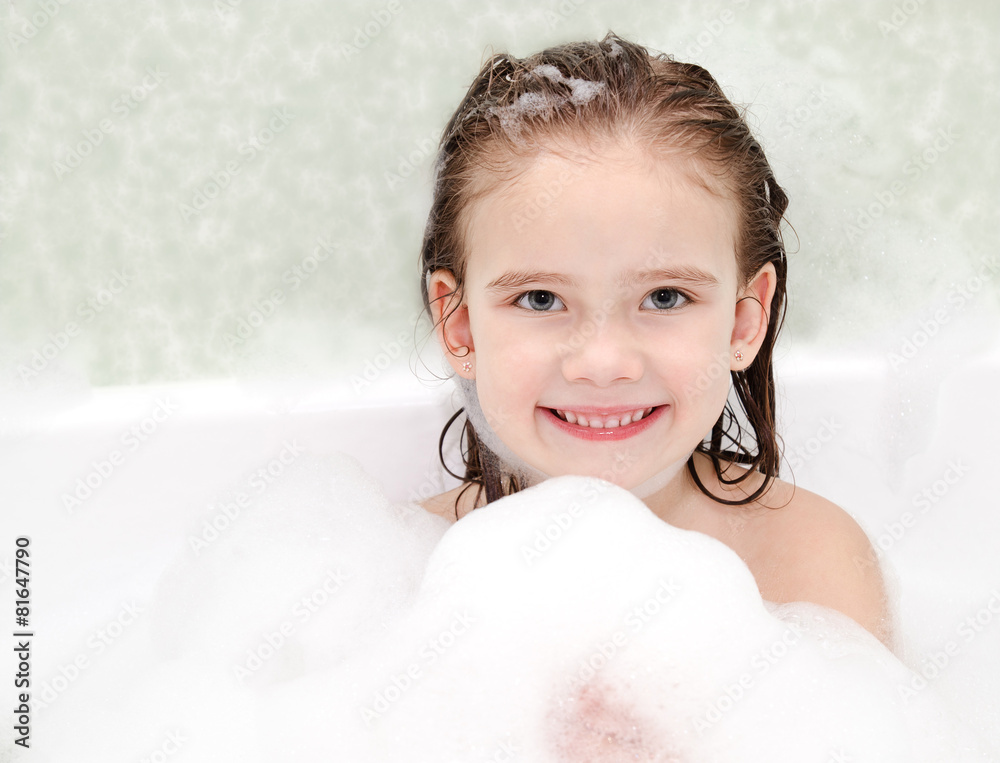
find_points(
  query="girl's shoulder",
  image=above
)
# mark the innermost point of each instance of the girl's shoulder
(788, 521)
(798, 545)
(797, 529)
(801, 546)
(454, 504)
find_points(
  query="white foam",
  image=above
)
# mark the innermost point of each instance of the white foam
(535, 628)
(576, 571)
(532, 105)
(583, 91)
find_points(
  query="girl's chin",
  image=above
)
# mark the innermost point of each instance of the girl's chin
(626, 479)
(639, 481)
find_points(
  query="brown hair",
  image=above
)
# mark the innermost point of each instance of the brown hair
(660, 103)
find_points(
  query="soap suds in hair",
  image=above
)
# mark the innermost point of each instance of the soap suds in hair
(583, 90)
(541, 104)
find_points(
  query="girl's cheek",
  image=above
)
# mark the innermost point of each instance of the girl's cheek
(705, 379)
(509, 343)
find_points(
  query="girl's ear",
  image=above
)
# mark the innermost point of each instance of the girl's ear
(455, 333)
(753, 311)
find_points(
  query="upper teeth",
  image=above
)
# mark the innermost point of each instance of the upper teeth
(618, 420)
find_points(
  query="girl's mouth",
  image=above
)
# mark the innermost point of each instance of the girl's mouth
(605, 428)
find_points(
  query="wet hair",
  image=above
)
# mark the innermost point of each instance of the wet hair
(618, 90)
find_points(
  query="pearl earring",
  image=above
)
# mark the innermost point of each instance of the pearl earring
(738, 355)
(467, 366)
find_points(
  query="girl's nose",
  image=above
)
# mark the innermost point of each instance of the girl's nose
(601, 350)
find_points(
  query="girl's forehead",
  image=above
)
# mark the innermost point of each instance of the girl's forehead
(594, 210)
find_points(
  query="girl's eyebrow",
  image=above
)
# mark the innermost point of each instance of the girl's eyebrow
(518, 279)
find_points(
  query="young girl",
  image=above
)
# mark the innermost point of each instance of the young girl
(603, 258)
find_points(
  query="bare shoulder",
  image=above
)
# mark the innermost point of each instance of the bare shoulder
(452, 504)
(799, 547)
(812, 550)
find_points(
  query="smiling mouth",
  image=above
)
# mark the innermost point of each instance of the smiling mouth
(610, 421)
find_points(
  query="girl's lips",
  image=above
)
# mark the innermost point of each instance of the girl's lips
(606, 435)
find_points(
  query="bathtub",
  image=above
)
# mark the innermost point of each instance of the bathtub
(111, 484)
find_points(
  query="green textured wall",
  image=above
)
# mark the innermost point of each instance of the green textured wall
(169, 168)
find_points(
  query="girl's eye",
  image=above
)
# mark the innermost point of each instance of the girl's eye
(538, 301)
(541, 301)
(666, 299)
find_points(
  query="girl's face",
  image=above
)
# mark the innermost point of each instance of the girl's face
(599, 285)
